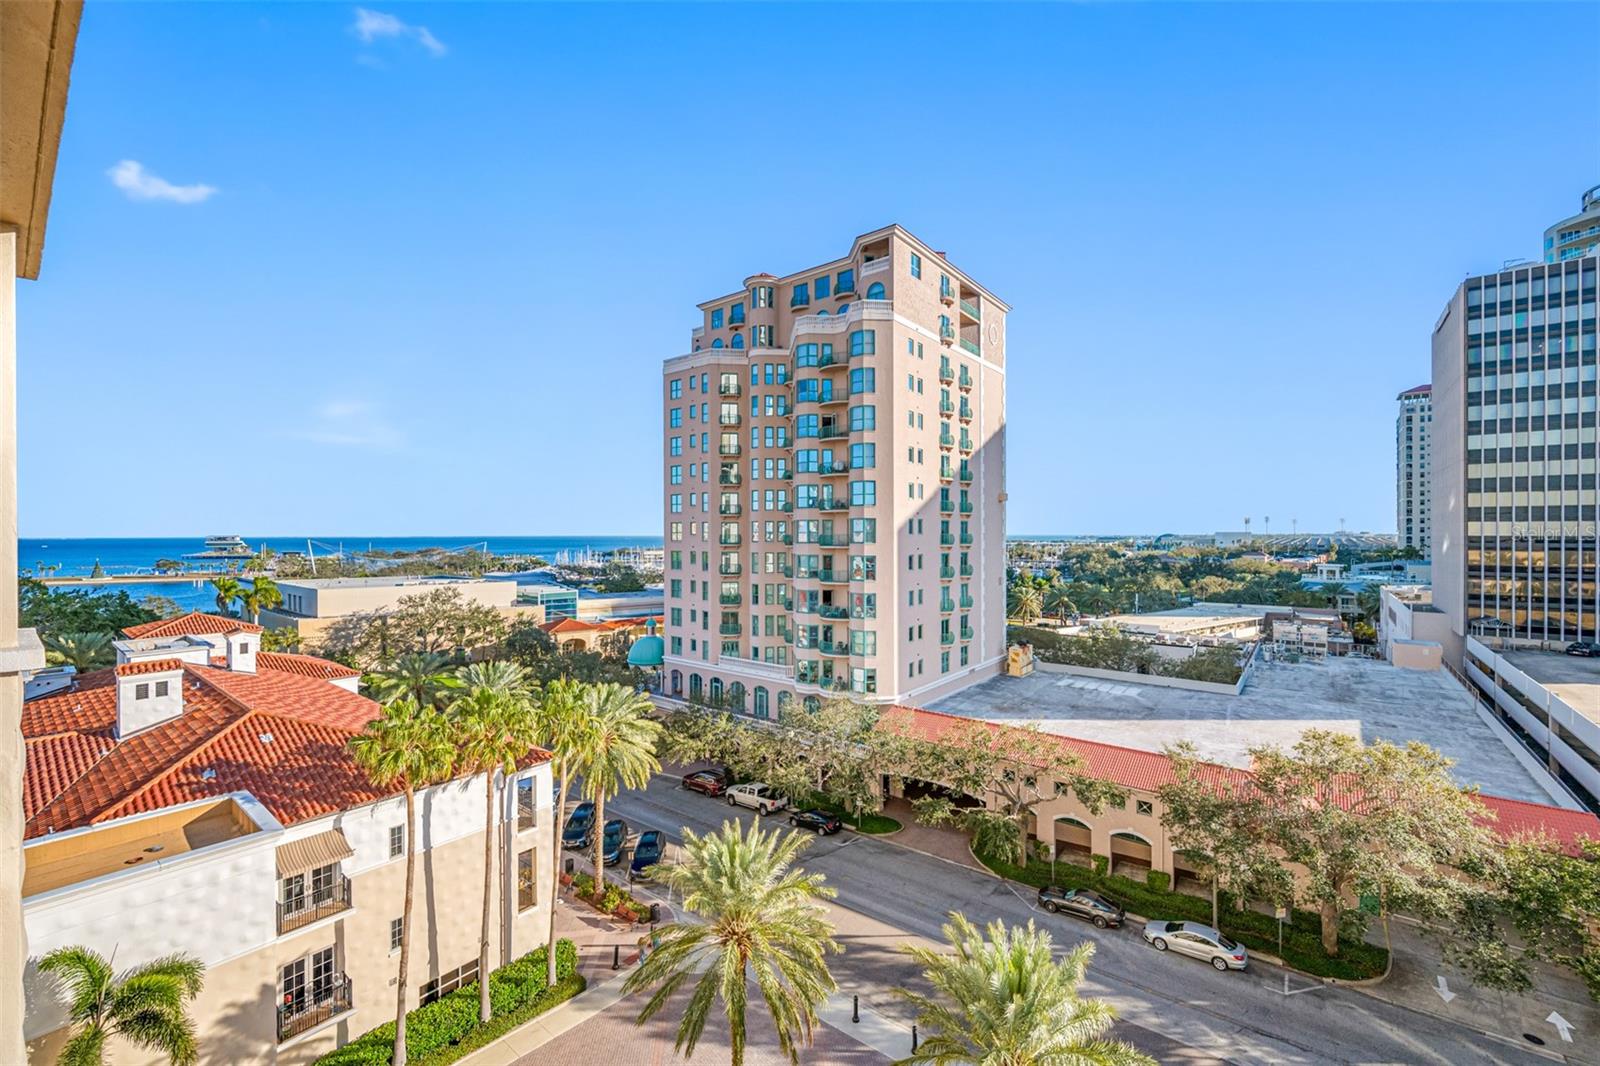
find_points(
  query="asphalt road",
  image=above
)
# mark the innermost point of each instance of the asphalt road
(1178, 1009)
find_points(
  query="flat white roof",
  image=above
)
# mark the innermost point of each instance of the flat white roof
(398, 581)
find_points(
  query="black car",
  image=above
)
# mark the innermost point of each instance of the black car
(819, 822)
(1586, 648)
(646, 853)
(1082, 903)
(611, 841)
(579, 831)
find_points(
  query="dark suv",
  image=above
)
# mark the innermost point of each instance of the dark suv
(579, 830)
(1082, 903)
(1586, 648)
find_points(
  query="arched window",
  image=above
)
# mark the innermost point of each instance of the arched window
(677, 682)
(761, 702)
(784, 699)
(842, 309)
(717, 343)
(738, 340)
(812, 703)
(875, 291)
(822, 313)
(694, 686)
(716, 691)
(736, 696)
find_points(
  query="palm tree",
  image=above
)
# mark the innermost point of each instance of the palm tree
(406, 748)
(1006, 1001)
(425, 677)
(145, 1004)
(228, 590)
(761, 915)
(1059, 599)
(562, 725)
(262, 592)
(491, 730)
(1024, 603)
(502, 678)
(621, 753)
(85, 651)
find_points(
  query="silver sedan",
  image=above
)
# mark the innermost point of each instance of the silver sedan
(1201, 941)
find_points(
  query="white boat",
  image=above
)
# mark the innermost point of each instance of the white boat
(228, 547)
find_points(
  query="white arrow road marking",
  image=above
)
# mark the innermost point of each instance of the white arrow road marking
(1444, 990)
(1563, 1026)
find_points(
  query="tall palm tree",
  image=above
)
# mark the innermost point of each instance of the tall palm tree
(144, 1005)
(1059, 599)
(621, 753)
(228, 590)
(1004, 1000)
(1024, 602)
(491, 730)
(561, 724)
(425, 677)
(85, 651)
(504, 678)
(762, 916)
(407, 748)
(262, 592)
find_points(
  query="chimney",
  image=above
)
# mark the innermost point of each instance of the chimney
(242, 648)
(148, 693)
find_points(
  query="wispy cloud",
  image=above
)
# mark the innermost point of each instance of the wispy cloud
(350, 424)
(139, 184)
(371, 26)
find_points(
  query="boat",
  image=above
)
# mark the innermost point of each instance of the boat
(223, 547)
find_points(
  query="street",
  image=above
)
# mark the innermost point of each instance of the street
(1179, 1010)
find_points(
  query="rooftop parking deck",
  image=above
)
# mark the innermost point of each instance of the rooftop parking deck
(1370, 700)
(1573, 679)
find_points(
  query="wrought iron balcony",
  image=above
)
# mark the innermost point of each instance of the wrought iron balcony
(315, 1006)
(314, 906)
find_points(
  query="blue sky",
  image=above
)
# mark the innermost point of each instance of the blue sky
(414, 270)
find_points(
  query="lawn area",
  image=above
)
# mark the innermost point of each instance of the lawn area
(1302, 940)
(870, 822)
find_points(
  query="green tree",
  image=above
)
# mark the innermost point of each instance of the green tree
(85, 651)
(492, 730)
(407, 748)
(1331, 804)
(261, 594)
(760, 916)
(1002, 999)
(145, 1005)
(282, 638)
(1060, 602)
(77, 611)
(1214, 821)
(620, 753)
(442, 620)
(1009, 769)
(562, 724)
(228, 590)
(1024, 601)
(424, 677)
(98, 571)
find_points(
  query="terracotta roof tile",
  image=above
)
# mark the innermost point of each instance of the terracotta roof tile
(568, 625)
(195, 623)
(54, 763)
(304, 665)
(149, 666)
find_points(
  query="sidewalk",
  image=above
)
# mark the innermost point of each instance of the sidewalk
(948, 844)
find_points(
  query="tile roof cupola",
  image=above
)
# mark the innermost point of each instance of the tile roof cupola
(149, 692)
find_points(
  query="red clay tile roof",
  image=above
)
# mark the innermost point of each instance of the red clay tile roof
(149, 666)
(304, 665)
(194, 623)
(569, 625)
(1147, 771)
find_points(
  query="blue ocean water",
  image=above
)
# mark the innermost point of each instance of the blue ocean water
(120, 555)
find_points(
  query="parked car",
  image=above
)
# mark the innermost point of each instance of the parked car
(1082, 903)
(652, 844)
(1586, 648)
(579, 831)
(764, 798)
(1201, 941)
(611, 841)
(713, 782)
(819, 822)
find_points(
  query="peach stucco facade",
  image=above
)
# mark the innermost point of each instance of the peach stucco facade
(834, 484)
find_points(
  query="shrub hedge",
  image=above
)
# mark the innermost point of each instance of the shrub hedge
(446, 1029)
(1302, 930)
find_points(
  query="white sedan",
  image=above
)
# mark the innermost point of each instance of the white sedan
(763, 798)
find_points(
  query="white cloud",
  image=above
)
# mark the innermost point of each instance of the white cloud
(139, 184)
(371, 26)
(350, 424)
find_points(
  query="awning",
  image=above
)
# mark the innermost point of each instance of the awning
(308, 853)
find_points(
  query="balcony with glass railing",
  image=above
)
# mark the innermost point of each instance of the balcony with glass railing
(966, 474)
(730, 599)
(833, 468)
(946, 441)
(730, 629)
(946, 573)
(966, 538)
(833, 577)
(966, 506)
(965, 443)
(947, 292)
(947, 639)
(965, 413)
(947, 373)
(946, 408)
(970, 346)
(946, 472)
(966, 602)
(946, 606)
(969, 309)
(946, 539)
(947, 334)
(966, 632)
(964, 382)
(946, 505)
(966, 569)
(834, 648)
(833, 433)
(799, 299)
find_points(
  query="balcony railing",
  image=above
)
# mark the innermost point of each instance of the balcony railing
(970, 309)
(946, 573)
(832, 469)
(729, 388)
(729, 419)
(730, 569)
(966, 603)
(832, 577)
(947, 334)
(797, 300)
(965, 443)
(947, 506)
(966, 474)
(730, 599)
(729, 629)
(966, 538)
(946, 293)
(966, 506)
(729, 449)
(947, 639)
(833, 433)
(727, 478)
(946, 407)
(834, 505)
(965, 381)
(946, 538)
(735, 318)
(730, 540)
(947, 606)
(946, 441)
(833, 647)
(947, 373)
(831, 540)
(965, 414)
(966, 569)
(314, 906)
(946, 473)
(970, 346)
(730, 509)
(312, 1009)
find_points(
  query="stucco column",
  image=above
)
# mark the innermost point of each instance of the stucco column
(18, 650)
